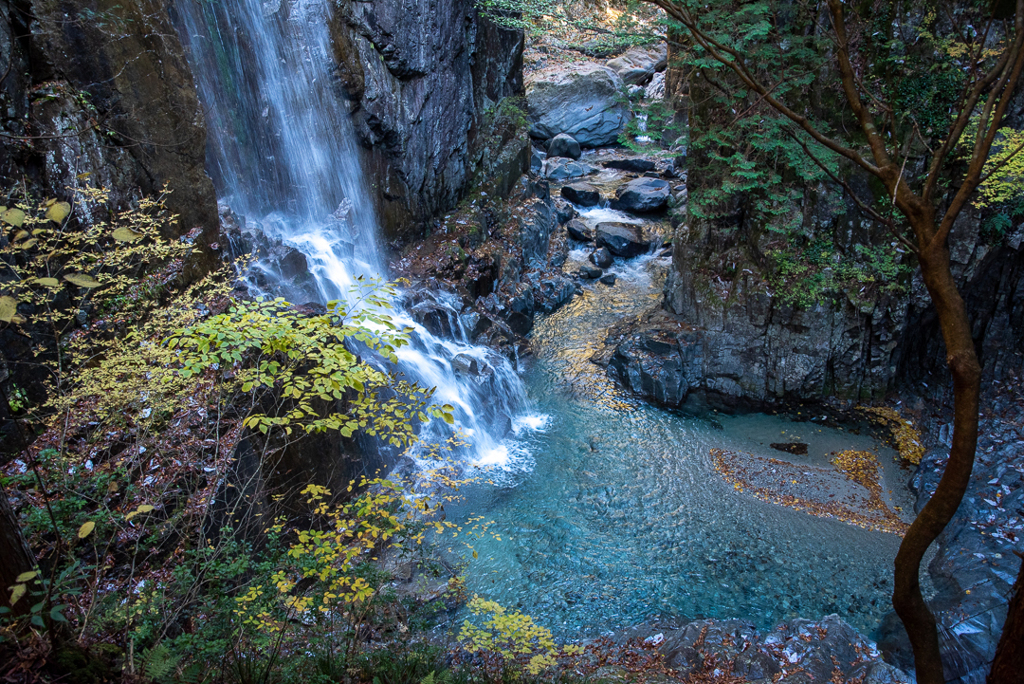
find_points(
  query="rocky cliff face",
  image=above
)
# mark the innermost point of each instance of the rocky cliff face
(432, 87)
(100, 92)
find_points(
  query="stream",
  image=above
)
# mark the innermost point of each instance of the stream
(620, 516)
(609, 511)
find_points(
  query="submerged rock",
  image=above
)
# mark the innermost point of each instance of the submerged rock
(608, 279)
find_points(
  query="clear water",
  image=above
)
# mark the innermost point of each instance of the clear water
(609, 510)
(622, 517)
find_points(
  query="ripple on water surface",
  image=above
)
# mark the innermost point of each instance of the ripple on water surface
(623, 516)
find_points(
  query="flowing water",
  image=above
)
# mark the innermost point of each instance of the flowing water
(623, 517)
(609, 510)
(282, 153)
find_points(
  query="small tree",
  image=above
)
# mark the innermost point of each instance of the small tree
(914, 98)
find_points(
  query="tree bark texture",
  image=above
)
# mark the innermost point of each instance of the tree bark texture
(962, 360)
(1008, 666)
(15, 555)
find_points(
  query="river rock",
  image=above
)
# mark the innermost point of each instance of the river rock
(634, 164)
(474, 324)
(464, 364)
(578, 230)
(563, 168)
(581, 100)
(621, 239)
(638, 64)
(520, 323)
(642, 195)
(537, 161)
(608, 279)
(589, 272)
(563, 145)
(583, 194)
(601, 258)
(564, 211)
(435, 317)
(553, 291)
(536, 223)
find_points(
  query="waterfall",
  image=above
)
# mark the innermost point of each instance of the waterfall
(282, 153)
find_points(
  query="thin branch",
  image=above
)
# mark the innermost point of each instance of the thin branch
(738, 66)
(861, 204)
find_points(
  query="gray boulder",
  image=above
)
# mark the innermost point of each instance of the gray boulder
(583, 194)
(578, 230)
(562, 168)
(621, 239)
(642, 195)
(563, 145)
(601, 257)
(582, 100)
(634, 164)
(638, 65)
(564, 211)
(589, 272)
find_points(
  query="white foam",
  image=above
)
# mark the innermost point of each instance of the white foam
(534, 422)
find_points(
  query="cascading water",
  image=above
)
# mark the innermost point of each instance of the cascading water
(281, 151)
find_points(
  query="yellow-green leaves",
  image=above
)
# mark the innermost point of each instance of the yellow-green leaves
(82, 280)
(9, 309)
(57, 211)
(86, 529)
(51, 283)
(126, 234)
(21, 586)
(144, 508)
(12, 217)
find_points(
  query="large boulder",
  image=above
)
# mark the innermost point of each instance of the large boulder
(583, 194)
(563, 145)
(642, 195)
(639, 64)
(582, 100)
(621, 239)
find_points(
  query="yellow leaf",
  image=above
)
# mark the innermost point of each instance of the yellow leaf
(21, 235)
(8, 309)
(28, 244)
(126, 234)
(17, 591)
(58, 211)
(26, 576)
(48, 282)
(13, 217)
(86, 529)
(82, 280)
(144, 508)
